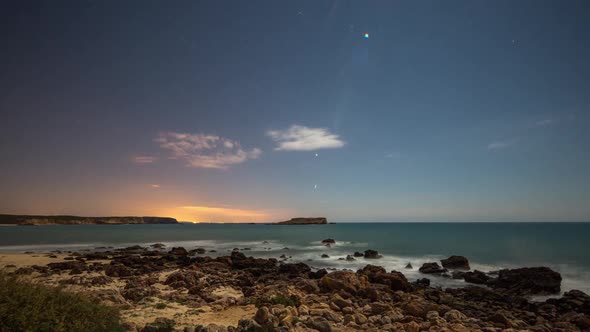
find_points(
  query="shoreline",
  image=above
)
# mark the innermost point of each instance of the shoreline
(234, 290)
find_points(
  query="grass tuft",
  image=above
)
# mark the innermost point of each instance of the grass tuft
(26, 306)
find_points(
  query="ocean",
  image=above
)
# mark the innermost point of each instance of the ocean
(565, 247)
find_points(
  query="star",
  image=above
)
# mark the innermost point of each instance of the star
(317, 154)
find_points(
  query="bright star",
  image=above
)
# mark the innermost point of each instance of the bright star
(366, 35)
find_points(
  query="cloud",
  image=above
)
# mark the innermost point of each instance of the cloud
(500, 145)
(205, 151)
(144, 159)
(155, 185)
(301, 138)
(544, 122)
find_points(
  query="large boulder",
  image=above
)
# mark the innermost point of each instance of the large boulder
(431, 268)
(342, 280)
(371, 254)
(456, 263)
(376, 274)
(528, 281)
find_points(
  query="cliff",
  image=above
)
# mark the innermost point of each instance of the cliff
(305, 221)
(8, 219)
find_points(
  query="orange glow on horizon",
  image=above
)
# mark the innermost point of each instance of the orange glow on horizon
(197, 214)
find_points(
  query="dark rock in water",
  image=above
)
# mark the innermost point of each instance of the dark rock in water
(198, 251)
(350, 258)
(158, 246)
(325, 256)
(372, 254)
(179, 251)
(475, 277)
(236, 256)
(458, 275)
(318, 274)
(424, 282)
(528, 281)
(431, 268)
(409, 266)
(328, 241)
(358, 254)
(456, 263)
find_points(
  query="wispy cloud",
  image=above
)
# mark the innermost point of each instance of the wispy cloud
(301, 138)
(155, 185)
(500, 145)
(544, 122)
(144, 159)
(205, 151)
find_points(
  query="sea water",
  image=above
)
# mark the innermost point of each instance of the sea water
(564, 247)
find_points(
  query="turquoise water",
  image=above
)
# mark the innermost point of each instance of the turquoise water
(488, 246)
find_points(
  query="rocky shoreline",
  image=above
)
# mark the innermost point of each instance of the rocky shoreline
(169, 289)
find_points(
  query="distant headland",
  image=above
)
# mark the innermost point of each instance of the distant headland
(29, 220)
(304, 221)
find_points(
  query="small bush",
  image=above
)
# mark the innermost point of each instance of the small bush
(161, 306)
(290, 301)
(26, 306)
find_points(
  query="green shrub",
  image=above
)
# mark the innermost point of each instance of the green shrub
(161, 305)
(26, 306)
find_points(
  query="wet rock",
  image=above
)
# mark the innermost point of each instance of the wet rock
(431, 268)
(158, 246)
(476, 277)
(424, 282)
(395, 280)
(358, 254)
(372, 254)
(528, 281)
(456, 263)
(179, 251)
(350, 258)
(409, 266)
(328, 241)
(198, 251)
(325, 256)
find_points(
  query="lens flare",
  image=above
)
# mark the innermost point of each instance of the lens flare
(366, 35)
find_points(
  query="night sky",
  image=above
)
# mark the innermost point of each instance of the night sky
(265, 110)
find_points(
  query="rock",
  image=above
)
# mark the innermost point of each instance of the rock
(262, 315)
(458, 275)
(304, 221)
(350, 258)
(179, 251)
(341, 280)
(160, 325)
(118, 270)
(249, 325)
(325, 256)
(358, 254)
(319, 323)
(431, 268)
(198, 251)
(328, 241)
(456, 263)
(318, 274)
(294, 269)
(378, 308)
(454, 316)
(424, 282)
(500, 319)
(395, 280)
(158, 246)
(528, 281)
(582, 321)
(409, 266)
(372, 254)
(475, 277)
